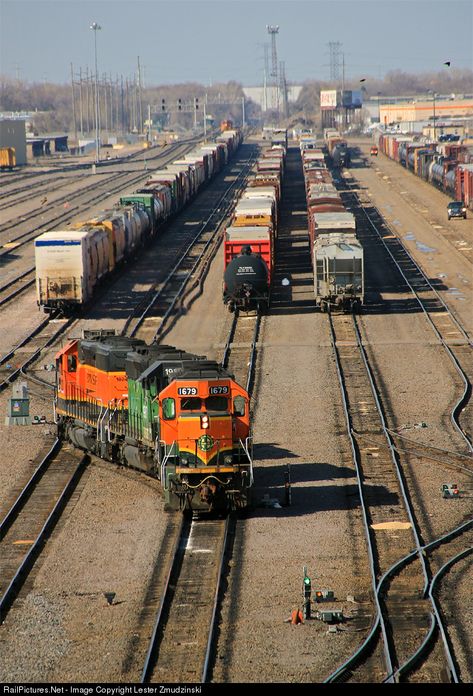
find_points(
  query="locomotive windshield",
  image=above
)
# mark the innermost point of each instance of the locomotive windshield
(211, 403)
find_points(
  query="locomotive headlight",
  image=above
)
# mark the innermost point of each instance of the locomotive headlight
(227, 459)
(204, 422)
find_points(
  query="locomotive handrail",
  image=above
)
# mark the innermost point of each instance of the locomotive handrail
(99, 419)
(163, 465)
(245, 446)
(112, 413)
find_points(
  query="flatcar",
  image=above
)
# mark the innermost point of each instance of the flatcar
(177, 416)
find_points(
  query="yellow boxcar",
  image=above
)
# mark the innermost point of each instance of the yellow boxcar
(7, 157)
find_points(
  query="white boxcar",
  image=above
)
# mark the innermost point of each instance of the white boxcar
(69, 264)
(338, 272)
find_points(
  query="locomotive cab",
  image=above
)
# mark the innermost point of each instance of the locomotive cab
(206, 426)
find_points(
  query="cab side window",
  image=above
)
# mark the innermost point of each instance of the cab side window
(71, 363)
(169, 409)
(239, 406)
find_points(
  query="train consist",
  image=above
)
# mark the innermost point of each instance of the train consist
(335, 250)
(72, 262)
(447, 165)
(177, 416)
(249, 240)
(338, 152)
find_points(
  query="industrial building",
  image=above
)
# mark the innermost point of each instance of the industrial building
(13, 134)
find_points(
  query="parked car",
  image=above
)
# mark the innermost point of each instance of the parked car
(456, 209)
(374, 150)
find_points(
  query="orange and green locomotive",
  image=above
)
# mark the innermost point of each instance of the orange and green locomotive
(175, 415)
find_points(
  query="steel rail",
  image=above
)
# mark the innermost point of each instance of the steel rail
(454, 416)
(148, 666)
(213, 620)
(13, 375)
(379, 619)
(6, 523)
(11, 591)
(419, 552)
(235, 185)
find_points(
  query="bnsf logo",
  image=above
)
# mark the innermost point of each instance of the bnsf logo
(91, 378)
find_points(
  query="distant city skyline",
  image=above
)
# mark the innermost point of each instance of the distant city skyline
(215, 41)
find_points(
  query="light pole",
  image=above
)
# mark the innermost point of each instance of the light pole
(435, 130)
(431, 91)
(95, 27)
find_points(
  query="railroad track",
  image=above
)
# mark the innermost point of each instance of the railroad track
(408, 621)
(120, 181)
(448, 329)
(39, 187)
(199, 249)
(182, 642)
(164, 301)
(29, 350)
(242, 337)
(31, 519)
(16, 286)
(186, 601)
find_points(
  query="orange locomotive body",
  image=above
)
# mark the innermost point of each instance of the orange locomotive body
(175, 415)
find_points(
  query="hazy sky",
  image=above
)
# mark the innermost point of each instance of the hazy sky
(220, 40)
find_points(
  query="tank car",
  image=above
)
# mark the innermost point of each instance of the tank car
(177, 416)
(247, 279)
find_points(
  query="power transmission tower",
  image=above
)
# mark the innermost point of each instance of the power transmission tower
(335, 54)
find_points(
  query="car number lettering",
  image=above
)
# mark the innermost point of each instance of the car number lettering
(218, 390)
(187, 391)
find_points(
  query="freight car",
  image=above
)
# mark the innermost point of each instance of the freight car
(177, 416)
(71, 263)
(7, 158)
(335, 250)
(249, 241)
(446, 164)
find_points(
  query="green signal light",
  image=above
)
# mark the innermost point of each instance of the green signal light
(307, 581)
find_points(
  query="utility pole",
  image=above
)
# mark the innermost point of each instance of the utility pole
(96, 27)
(73, 104)
(243, 111)
(273, 31)
(81, 116)
(140, 105)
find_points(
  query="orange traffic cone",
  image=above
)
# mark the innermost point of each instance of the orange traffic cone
(296, 617)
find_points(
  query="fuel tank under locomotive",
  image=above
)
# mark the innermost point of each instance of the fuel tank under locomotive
(246, 281)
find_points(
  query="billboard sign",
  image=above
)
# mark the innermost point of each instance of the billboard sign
(352, 99)
(328, 99)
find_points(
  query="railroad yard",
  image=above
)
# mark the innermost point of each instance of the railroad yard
(359, 421)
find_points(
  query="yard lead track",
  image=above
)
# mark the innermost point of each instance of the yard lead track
(30, 520)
